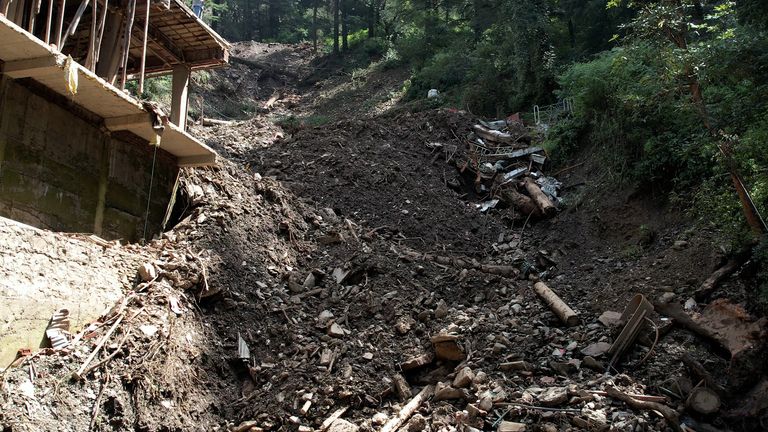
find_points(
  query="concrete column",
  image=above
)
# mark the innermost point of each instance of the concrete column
(180, 96)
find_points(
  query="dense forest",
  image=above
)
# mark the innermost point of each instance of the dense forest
(671, 93)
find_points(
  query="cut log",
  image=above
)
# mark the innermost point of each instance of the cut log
(546, 205)
(522, 203)
(216, 122)
(703, 401)
(495, 136)
(408, 409)
(559, 307)
(672, 417)
(465, 263)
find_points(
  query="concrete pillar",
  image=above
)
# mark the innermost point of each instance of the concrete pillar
(180, 95)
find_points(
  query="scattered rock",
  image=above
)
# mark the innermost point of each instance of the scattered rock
(417, 362)
(441, 311)
(417, 423)
(680, 245)
(553, 396)
(447, 348)
(147, 272)
(591, 363)
(335, 330)
(610, 319)
(507, 426)
(444, 391)
(341, 425)
(463, 378)
(596, 349)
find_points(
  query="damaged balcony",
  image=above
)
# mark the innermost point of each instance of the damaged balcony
(78, 153)
(111, 43)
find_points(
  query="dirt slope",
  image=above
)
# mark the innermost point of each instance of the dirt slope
(308, 244)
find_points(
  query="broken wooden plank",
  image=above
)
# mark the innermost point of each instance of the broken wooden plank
(408, 410)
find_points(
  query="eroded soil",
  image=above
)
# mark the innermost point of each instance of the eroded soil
(305, 242)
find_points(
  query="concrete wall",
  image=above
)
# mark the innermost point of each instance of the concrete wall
(41, 272)
(60, 171)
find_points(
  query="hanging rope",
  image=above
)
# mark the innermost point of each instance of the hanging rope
(149, 193)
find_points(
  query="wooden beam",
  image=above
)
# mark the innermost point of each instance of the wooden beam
(31, 67)
(127, 41)
(48, 22)
(60, 22)
(127, 122)
(196, 161)
(109, 52)
(180, 95)
(160, 38)
(144, 51)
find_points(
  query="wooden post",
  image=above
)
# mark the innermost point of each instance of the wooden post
(60, 22)
(89, 59)
(180, 95)
(144, 50)
(34, 9)
(110, 54)
(100, 31)
(48, 22)
(75, 22)
(127, 42)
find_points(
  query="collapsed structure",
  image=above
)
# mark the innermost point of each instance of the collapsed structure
(77, 152)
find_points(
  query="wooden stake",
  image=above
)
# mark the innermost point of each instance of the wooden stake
(127, 42)
(90, 64)
(48, 22)
(60, 23)
(102, 24)
(75, 22)
(559, 307)
(144, 51)
(408, 409)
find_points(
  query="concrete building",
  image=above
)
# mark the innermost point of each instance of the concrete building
(77, 152)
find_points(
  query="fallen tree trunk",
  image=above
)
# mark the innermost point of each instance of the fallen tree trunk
(408, 409)
(558, 306)
(465, 263)
(676, 312)
(522, 203)
(708, 286)
(546, 205)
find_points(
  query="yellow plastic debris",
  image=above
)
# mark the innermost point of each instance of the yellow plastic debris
(70, 75)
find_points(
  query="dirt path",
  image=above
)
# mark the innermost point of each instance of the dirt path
(306, 246)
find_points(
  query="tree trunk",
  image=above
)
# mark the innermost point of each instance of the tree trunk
(372, 18)
(344, 30)
(335, 27)
(314, 26)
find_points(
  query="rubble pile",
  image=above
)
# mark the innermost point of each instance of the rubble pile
(326, 279)
(504, 165)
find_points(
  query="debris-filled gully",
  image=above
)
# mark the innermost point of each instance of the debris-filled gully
(412, 271)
